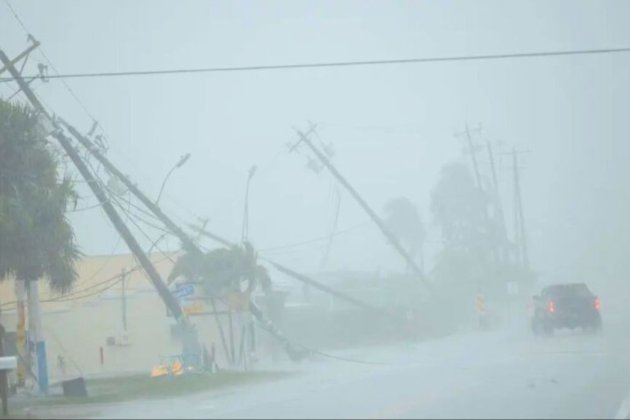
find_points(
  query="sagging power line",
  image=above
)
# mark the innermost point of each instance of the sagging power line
(331, 64)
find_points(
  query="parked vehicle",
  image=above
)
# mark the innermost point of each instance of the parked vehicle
(566, 306)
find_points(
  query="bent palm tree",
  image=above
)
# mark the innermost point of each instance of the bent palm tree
(36, 239)
(404, 222)
(223, 270)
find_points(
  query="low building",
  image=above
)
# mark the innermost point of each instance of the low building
(107, 325)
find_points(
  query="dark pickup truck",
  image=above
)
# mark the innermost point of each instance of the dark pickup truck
(566, 306)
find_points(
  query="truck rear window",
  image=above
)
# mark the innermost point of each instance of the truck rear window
(569, 290)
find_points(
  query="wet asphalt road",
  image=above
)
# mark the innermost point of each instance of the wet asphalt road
(496, 374)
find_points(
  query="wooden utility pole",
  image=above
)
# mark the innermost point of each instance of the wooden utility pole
(480, 187)
(4, 389)
(473, 157)
(107, 206)
(188, 243)
(497, 203)
(123, 281)
(393, 241)
(518, 208)
(331, 237)
(20, 292)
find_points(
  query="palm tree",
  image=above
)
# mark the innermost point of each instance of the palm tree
(36, 239)
(403, 221)
(459, 209)
(222, 273)
(223, 270)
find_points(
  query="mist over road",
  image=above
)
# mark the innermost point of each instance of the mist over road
(497, 374)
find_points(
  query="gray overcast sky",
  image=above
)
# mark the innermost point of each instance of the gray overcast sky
(392, 126)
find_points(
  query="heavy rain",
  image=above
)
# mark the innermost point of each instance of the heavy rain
(316, 209)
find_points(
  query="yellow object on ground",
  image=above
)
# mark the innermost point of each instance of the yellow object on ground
(159, 371)
(177, 368)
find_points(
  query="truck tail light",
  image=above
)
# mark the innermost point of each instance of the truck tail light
(597, 304)
(551, 307)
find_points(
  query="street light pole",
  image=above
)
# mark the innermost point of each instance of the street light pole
(248, 331)
(179, 164)
(245, 230)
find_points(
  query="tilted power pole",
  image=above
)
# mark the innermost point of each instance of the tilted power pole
(473, 157)
(497, 203)
(393, 241)
(518, 204)
(190, 342)
(186, 240)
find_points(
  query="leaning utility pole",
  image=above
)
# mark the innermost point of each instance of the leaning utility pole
(375, 218)
(304, 279)
(518, 208)
(187, 242)
(190, 342)
(497, 202)
(473, 155)
(123, 281)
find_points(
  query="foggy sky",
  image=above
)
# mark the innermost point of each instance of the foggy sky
(392, 126)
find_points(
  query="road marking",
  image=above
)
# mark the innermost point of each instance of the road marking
(624, 411)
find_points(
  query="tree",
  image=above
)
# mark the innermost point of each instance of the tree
(467, 262)
(223, 270)
(36, 238)
(459, 209)
(403, 221)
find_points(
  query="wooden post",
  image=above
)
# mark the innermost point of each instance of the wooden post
(3, 377)
(20, 292)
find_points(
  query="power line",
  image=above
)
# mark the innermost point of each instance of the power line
(82, 209)
(142, 231)
(331, 64)
(113, 198)
(16, 16)
(118, 279)
(322, 238)
(68, 297)
(132, 216)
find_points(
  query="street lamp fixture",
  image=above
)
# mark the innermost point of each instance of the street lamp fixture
(182, 161)
(245, 230)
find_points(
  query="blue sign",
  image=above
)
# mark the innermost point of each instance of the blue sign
(184, 290)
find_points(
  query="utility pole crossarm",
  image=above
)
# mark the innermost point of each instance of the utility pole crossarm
(22, 55)
(375, 218)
